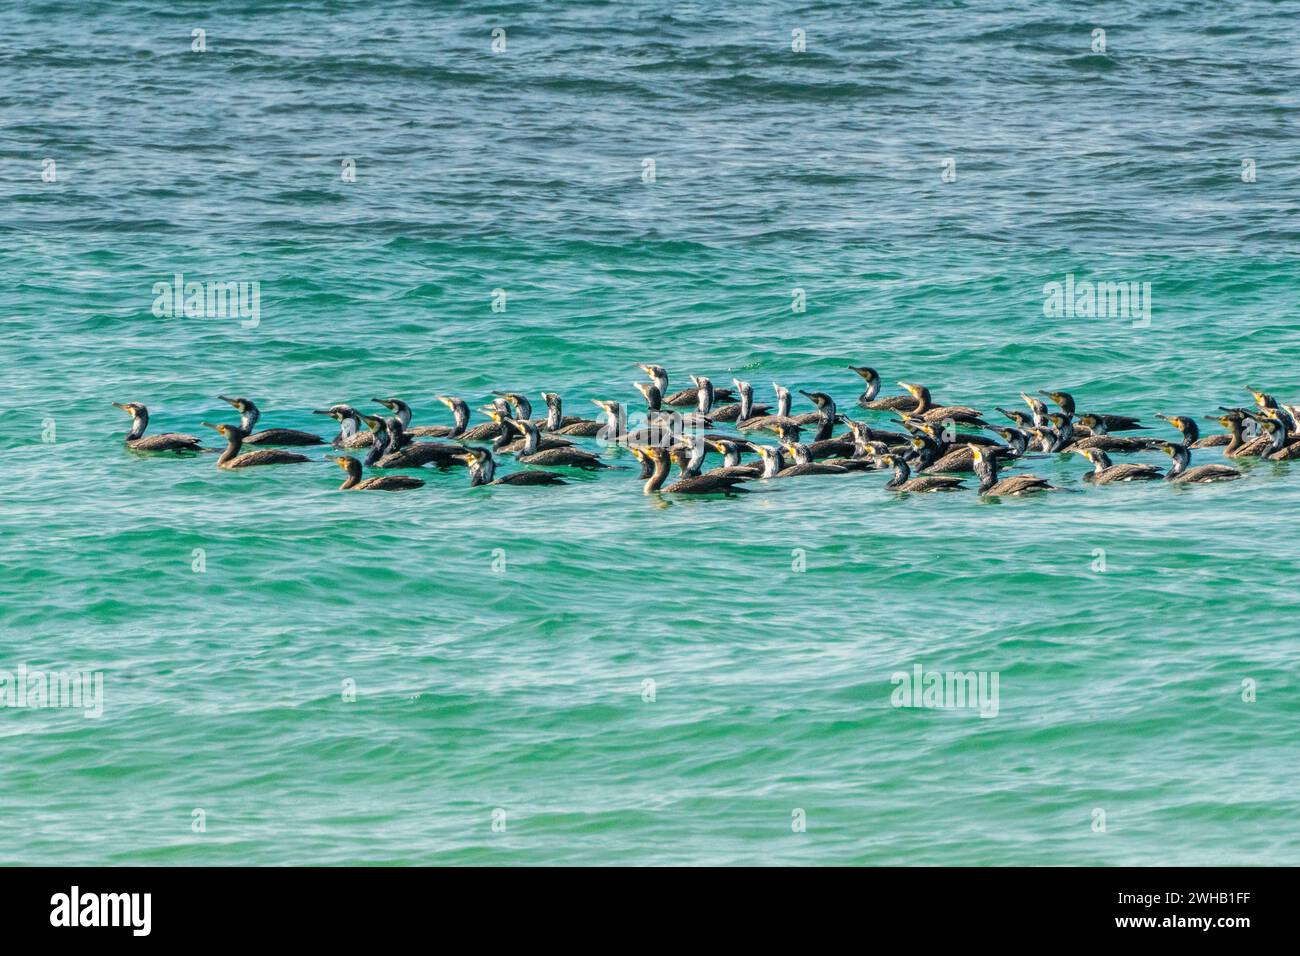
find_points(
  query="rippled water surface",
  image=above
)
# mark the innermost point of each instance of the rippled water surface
(500, 639)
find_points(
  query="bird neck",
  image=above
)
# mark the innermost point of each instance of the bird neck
(658, 476)
(1181, 457)
(353, 468)
(482, 472)
(248, 418)
(922, 401)
(731, 458)
(987, 470)
(704, 397)
(554, 415)
(746, 405)
(615, 424)
(902, 472)
(826, 423)
(531, 440)
(139, 422)
(783, 403)
(653, 399)
(872, 390)
(233, 444)
(378, 448)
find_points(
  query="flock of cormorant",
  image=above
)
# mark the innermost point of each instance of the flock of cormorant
(937, 443)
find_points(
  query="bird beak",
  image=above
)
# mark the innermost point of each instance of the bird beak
(320, 411)
(228, 400)
(123, 407)
(215, 428)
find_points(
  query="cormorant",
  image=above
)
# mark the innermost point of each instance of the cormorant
(1113, 423)
(351, 434)
(1104, 472)
(741, 411)
(353, 481)
(531, 452)
(402, 412)
(902, 480)
(482, 471)
(231, 458)
(560, 424)
(136, 440)
(963, 414)
(986, 467)
(868, 399)
(710, 483)
(1180, 474)
(248, 416)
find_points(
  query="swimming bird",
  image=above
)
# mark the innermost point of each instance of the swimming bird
(741, 411)
(1113, 423)
(804, 465)
(136, 440)
(395, 450)
(730, 453)
(353, 481)
(1103, 441)
(248, 416)
(560, 424)
(482, 471)
(1234, 421)
(659, 432)
(522, 407)
(231, 458)
(902, 480)
(1037, 407)
(511, 441)
(824, 448)
(769, 422)
(1105, 472)
(655, 412)
(986, 467)
(402, 412)
(1266, 402)
(531, 452)
(1282, 445)
(687, 396)
(710, 483)
(868, 399)
(351, 434)
(962, 414)
(489, 429)
(1180, 474)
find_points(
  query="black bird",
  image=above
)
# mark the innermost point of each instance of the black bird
(531, 453)
(560, 424)
(1104, 472)
(248, 416)
(231, 458)
(482, 471)
(902, 480)
(136, 440)
(402, 412)
(1113, 423)
(986, 467)
(353, 481)
(868, 399)
(1180, 474)
(351, 434)
(710, 483)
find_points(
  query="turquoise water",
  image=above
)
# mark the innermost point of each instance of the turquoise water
(520, 687)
